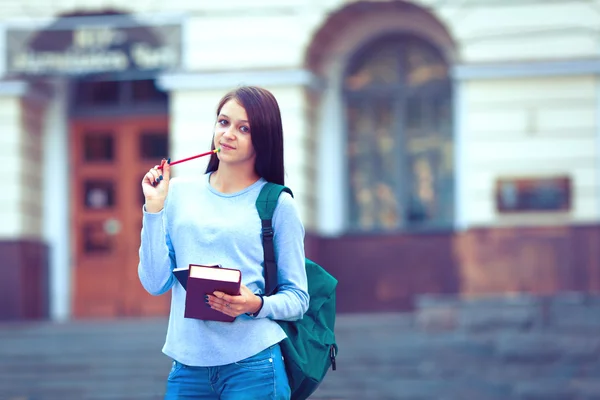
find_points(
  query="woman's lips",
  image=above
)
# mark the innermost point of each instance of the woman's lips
(226, 147)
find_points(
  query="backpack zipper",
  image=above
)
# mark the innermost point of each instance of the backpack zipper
(332, 357)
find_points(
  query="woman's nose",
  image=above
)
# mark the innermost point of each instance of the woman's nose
(229, 132)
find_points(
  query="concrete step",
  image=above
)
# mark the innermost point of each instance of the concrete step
(382, 356)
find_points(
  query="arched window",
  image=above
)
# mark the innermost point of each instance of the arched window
(398, 104)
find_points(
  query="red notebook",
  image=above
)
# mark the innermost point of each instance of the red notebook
(203, 280)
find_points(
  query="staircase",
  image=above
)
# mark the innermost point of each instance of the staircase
(519, 347)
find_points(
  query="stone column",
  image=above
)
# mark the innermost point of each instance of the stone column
(23, 253)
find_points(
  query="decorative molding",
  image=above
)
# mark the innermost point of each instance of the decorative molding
(526, 69)
(3, 49)
(461, 198)
(120, 21)
(14, 88)
(332, 176)
(39, 94)
(221, 80)
(598, 144)
(56, 227)
(354, 26)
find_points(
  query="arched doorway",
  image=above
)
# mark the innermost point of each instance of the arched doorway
(385, 147)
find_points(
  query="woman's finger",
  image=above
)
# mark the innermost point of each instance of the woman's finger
(154, 176)
(162, 172)
(215, 301)
(221, 306)
(148, 178)
(227, 298)
(166, 169)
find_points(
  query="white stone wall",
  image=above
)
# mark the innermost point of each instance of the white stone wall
(520, 126)
(192, 119)
(531, 127)
(21, 152)
(11, 145)
(517, 31)
(237, 34)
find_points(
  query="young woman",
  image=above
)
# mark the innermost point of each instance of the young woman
(212, 219)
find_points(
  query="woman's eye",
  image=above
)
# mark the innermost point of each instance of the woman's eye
(245, 129)
(222, 122)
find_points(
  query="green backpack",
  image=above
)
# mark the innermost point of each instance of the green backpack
(310, 348)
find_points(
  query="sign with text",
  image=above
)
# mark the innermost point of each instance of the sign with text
(533, 194)
(92, 48)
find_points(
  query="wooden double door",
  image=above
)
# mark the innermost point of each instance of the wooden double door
(109, 159)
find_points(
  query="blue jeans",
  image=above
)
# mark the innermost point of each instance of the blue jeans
(261, 376)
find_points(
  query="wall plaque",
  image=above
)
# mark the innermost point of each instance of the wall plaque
(533, 194)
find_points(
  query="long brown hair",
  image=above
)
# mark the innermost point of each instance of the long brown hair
(266, 130)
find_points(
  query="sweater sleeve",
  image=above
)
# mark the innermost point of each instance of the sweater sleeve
(157, 256)
(290, 302)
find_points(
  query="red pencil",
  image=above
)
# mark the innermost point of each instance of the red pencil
(192, 157)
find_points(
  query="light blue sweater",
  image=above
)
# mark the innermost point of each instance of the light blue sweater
(199, 225)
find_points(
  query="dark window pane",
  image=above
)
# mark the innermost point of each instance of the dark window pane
(96, 97)
(400, 150)
(422, 196)
(89, 93)
(414, 116)
(154, 145)
(424, 64)
(360, 155)
(443, 114)
(99, 194)
(98, 147)
(377, 66)
(95, 239)
(429, 160)
(145, 90)
(386, 177)
(372, 163)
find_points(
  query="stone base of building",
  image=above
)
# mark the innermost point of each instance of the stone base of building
(386, 272)
(24, 286)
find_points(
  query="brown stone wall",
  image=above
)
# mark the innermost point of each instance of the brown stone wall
(384, 272)
(533, 260)
(387, 272)
(24, 287)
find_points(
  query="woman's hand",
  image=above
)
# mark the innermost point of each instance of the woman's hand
(246, 302)
(155, 186)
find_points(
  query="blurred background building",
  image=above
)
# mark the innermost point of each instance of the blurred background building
(435, 146)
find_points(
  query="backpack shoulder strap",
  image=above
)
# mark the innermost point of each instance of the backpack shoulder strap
(267, 199)
(265, 205)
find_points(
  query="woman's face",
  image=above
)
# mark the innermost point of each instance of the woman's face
(233, 135)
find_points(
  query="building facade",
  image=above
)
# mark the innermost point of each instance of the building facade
(432, 146)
